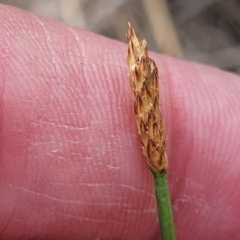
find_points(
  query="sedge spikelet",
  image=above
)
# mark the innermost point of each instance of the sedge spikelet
(143, 75)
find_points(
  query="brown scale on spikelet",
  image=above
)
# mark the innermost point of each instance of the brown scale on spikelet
(144, 83)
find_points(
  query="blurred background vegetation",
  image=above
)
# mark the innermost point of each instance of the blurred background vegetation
(206, 31)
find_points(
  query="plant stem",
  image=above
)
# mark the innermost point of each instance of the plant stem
(144, 83)
(164, 206)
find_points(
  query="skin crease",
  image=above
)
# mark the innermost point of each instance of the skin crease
(71, 166)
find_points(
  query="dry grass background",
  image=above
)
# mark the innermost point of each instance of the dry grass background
(206, 31)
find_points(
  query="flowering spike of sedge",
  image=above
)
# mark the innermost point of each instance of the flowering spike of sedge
(143, 75)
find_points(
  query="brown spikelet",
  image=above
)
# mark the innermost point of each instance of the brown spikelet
(144, 83)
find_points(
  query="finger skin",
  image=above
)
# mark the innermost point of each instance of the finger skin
(70, 160)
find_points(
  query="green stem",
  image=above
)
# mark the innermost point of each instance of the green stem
(164, 206)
